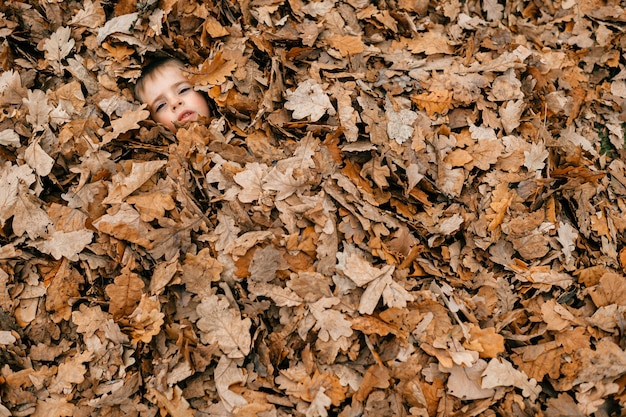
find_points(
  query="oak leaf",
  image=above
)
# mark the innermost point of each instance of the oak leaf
(331, 324)
(125, 293)
(146, 319)
(226, 374)
(61, 244)
(118, 24)
(214, 71)
(38, 159)
(129, 121)
(501, 373)
(92, 15)
(123, 185)
(433, 102)
(309, 100)
(199, 271)
(346, 45)
(221, 324)
(400, 123)
(38, 109)
(57, 47)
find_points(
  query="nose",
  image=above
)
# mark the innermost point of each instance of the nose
(177, 102)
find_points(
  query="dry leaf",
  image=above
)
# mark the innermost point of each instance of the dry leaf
(309, 100)
(223, 325)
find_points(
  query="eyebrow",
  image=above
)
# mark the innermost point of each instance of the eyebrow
(160, 96)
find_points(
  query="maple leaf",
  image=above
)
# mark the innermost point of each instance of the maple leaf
(221, 324)
(57, 47)
(309, 100)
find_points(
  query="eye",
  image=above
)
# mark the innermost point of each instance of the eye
(184, 89)
(159, 107)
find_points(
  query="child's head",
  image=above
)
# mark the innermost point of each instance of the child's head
(168, 93)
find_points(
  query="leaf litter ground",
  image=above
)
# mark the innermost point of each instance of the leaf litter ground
(399, 208)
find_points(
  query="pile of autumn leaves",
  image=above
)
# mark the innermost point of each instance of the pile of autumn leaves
(394, 211)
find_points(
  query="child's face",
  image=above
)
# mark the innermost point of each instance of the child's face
(171, 98)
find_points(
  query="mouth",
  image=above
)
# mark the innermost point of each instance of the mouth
(186, 115)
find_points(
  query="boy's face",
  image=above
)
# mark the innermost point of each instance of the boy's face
(171, 98)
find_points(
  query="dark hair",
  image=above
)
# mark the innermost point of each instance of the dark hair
(151, 68)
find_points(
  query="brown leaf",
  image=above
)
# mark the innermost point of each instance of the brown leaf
(125, 293)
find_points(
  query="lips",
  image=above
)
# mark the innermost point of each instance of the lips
(186, 115)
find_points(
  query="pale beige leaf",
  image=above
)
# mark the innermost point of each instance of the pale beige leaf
(29, 217)
(309, 100)
(8, 137)
(119, 24)
(320, 405)
(65, 244)
(12, 178)
(535, 157)
(284, 183)
(400, 124)
(331, 324)
(510, 115)
(251, 182)
(567, 236)
(227, 374)
(38, 109)
(38, 159)
(394, 294)
(221, 324)
(57, 47)
(500, 373)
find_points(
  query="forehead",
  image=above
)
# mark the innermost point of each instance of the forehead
(160, 79)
